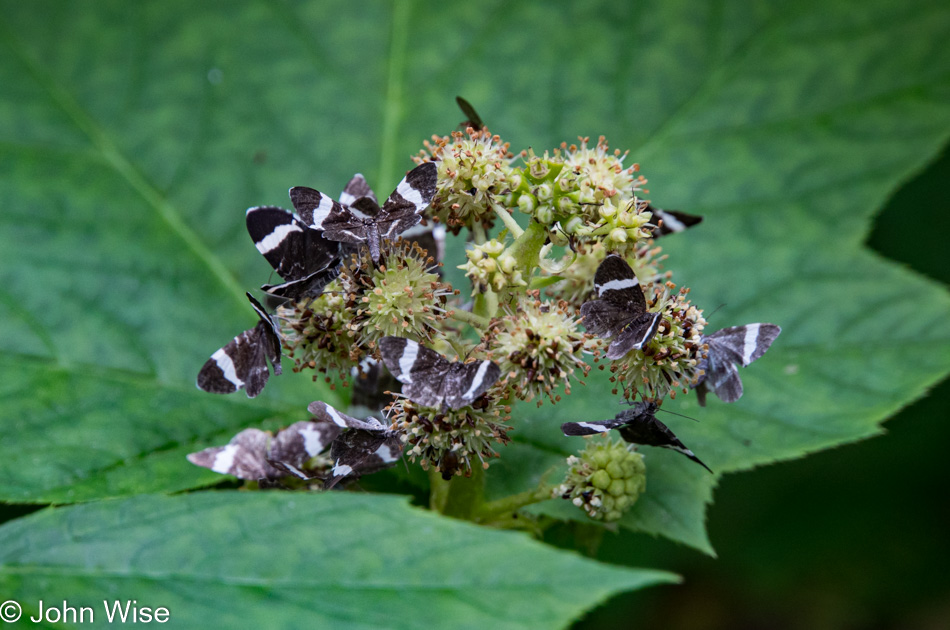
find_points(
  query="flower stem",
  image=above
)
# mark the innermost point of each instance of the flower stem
(478, 231)
(438, 491)
(501, 507)
(508, 220)
(527, 248)
(466, 494)
(475, 321)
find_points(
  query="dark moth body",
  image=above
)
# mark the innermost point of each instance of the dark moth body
(670, 221)
(430, 379)
(242, 363)
(365, 447)
(729, 347)
(358, 218)
(299, 254)
(620, 312)
(473, 120)
(637, 425)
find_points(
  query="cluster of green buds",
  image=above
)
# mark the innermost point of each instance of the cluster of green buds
(585, 193)
(604, 480)
(491, 267)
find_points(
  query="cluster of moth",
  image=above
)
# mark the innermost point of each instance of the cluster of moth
(311, 245)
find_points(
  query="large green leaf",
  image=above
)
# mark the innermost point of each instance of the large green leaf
(133, 136)
(274, 560)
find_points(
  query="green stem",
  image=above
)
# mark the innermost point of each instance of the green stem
(486, 304)
(508, 505)
(588, 538)
(466, 494)
(527, 248)
(478, 231)
(438, 491)
(475, 321)
(508, 220)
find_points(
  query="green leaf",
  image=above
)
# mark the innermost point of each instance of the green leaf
(133, 137)
(274, 560)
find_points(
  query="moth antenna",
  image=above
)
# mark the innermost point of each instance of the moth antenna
(716, 309)
(677, 414)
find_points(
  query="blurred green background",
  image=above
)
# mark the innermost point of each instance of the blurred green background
(856, 537)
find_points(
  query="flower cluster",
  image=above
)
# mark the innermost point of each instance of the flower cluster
(451, 440)
(585, 193)
(671, 360)
(368, 300)
(539, 347)
(474, 169)
(491, 267)
(604, 480)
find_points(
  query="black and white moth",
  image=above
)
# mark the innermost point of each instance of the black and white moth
(242, 363)
(670, 221)
(298, 253)
(255, 455)
(430, 379)
(366, 447)
(473, 120)
(728, 347)
(364, 222)
(637, 425)
(620, 310)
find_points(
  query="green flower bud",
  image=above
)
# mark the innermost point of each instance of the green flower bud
(605, 479)
(527, 203)
(489, 267)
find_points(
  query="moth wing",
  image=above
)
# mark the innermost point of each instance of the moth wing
(473, 120)
(359, 452)
(651, 432)
(465, 382)
(244, 457)
(723, 379)
(670, 221)
(404, 207)
(326, 413)
(635, 335)
(590, 428)
(293, 249)
(302, 441)
(744, 344)
(241, 364)
(309, 286)
(615, 282)
(603, 318)
(357, 188)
